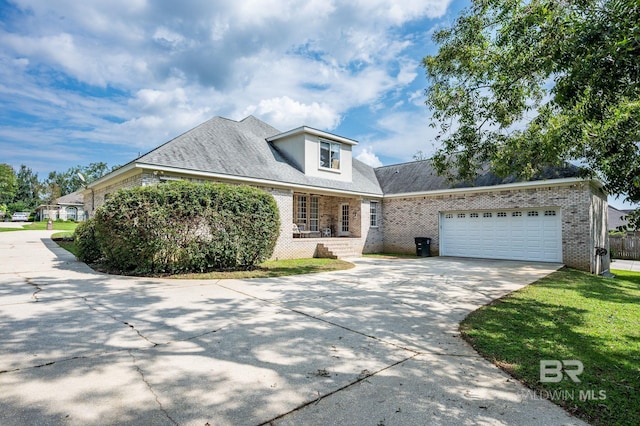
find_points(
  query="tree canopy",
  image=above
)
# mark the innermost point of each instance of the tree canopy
(23, 191)
(7, 183)
(524, 84)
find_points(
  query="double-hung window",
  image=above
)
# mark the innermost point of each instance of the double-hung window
(330, 155)
(313, 215)
(373, 206)
(301, 217)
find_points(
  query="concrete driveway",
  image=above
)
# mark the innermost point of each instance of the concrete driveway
(374, 345)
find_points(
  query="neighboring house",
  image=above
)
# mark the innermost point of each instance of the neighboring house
(341, 206)
(616, 218)
(67, 207)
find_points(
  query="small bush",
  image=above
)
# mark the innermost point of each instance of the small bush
(86, 242)
(187, 227)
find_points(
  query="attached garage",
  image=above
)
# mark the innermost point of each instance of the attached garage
(533, 234)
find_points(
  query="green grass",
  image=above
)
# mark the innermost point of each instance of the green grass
(69, 246)
(275, 268)
(570, 315)
(57, 226)
(268, 269)
(10, 229)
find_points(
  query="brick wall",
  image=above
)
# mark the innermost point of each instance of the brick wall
(406, 218)
(139, 179)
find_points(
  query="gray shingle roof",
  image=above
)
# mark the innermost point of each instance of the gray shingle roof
(239, 148)
(615, 218)
(420, 176)
(73, 198)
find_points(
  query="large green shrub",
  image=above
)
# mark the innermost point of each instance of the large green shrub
(187, 227)
(86, 242)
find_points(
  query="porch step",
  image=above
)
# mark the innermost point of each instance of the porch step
(336, 250)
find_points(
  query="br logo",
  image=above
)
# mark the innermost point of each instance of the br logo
(551, 370)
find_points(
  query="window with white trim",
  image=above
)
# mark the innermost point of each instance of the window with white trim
(473, 215)
(549, 212)
(487, 214)
(330, 155)
(532, 213)
(313, 214)
(301, 210)
(502, 214)
(515, 214)
(373, 213)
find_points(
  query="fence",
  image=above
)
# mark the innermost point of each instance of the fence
(627, 247)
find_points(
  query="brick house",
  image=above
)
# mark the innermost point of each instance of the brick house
(331, 204)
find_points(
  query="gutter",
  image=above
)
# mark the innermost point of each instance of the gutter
(244, 179)
(495, 188)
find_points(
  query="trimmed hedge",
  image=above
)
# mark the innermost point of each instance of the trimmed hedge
(182, 226)
(85, 239)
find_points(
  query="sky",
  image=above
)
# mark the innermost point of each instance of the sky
(94, 80)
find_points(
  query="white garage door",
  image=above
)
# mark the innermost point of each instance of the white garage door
(527, 234)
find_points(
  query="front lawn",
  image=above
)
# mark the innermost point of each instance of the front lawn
(569, 315)
(57, 226)
(268, 269)
(275, 268)
(10, 229)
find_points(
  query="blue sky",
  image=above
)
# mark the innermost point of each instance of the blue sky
(94, 80)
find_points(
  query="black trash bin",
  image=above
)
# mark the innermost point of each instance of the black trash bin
(423, 246)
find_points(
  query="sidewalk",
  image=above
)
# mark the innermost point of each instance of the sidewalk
(625, 265)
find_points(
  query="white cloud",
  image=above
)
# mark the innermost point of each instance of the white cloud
(285, 113)
(404, 134)
(367, 156)
(155, 69)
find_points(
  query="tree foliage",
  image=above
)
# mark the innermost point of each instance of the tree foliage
(63, 183)
(7, 183)
(183, 227)
(525, 84)
(28, 188)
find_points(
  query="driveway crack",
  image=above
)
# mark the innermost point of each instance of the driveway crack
(131, 326)
(38, 289)
(363, 376)
(155, 395)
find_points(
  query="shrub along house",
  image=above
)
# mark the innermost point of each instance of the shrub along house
(331, 204)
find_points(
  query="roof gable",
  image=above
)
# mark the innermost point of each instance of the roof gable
(241, 149)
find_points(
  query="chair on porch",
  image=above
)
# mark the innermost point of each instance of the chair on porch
(296, 231)
(303, 230)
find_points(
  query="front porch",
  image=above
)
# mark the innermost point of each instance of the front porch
(322, 217)
(326, 225)
(331, 247)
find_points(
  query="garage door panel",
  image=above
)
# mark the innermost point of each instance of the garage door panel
(529, 234)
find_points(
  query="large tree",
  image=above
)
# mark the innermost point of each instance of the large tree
(28, 188)
(7, 184)
(524, 84)
(63, 183)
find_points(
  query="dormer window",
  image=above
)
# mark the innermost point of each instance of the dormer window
(330, 155)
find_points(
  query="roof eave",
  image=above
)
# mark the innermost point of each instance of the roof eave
(127, 167)
(257, 181)
(493, 188)
(312, 131)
